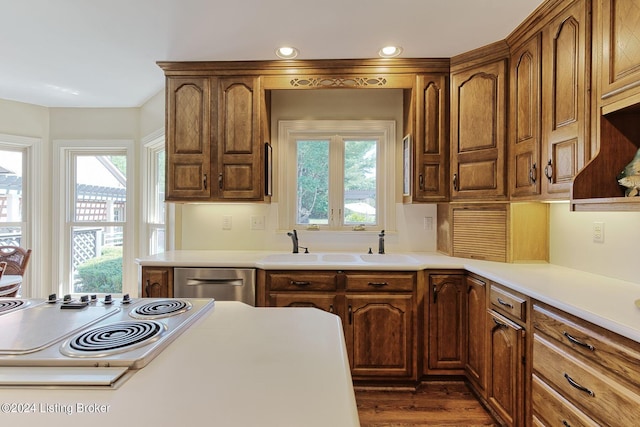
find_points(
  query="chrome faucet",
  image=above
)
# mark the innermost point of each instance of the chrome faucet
(381, 242)
(294, 239)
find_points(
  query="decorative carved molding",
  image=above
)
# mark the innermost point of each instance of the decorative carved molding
(320, 82)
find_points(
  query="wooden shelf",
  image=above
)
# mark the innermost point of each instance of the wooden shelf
(595, 188)
(615, 204)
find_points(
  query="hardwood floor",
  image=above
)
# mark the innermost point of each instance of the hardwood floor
(432, 404)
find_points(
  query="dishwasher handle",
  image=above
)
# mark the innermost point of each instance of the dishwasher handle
(197, 281)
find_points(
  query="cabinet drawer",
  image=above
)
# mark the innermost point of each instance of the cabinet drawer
(597, 394)
(597, 345)
(551, 409)
(383, 282)
(508, 303)
(304, 280)
(303, 299)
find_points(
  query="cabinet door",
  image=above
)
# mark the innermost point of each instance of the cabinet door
(618, 35)
(239, 147)
(431, 138)
(478, 128)
(379, 335)
(525, 138)
(565, 100)
(476, 340)
(505, 388)
(157, 282)
(188, 138)
(447, 320)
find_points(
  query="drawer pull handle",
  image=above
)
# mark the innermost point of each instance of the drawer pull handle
(297, 283)
(578, 342)
(499, 324)
(377, 284)
(573, 383)
(503, 302)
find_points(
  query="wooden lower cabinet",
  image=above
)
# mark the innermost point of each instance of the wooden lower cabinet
(506, 380)
(157, 282)
(475, 339)
(447, 324)
(378, 312)
(591, 372)
(379, 335)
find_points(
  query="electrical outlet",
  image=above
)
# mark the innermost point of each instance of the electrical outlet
(226, 222)
(257, 223)
(428, 223)
(598, 232)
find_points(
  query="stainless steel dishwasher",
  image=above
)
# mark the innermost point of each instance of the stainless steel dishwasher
(221, 284)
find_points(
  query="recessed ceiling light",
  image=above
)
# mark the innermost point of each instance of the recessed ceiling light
(390, 51)
(286, 52)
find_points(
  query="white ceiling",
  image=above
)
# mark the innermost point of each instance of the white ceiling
(103, 53)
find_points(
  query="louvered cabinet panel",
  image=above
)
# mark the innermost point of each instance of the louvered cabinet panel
(494, 231)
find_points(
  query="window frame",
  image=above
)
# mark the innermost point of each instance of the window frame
(32, 221)
(64, 208)
(150, 220)
(289, 131)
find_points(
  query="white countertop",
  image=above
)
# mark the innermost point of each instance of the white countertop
(598, 299)
(237, 366)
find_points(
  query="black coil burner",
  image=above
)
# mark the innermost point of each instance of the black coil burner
(10, 304)
(160, 308)
(113, 338)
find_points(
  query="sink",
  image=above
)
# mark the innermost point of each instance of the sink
(291, 258)
(388, 259)
(339, 258)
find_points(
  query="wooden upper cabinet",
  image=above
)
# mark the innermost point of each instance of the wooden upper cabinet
(565, 97)
(188, 145)
(215, 138)
(478, 109)
(549, 98)
(526, 119)
(239, 143)
(618, 40)
(431, 138)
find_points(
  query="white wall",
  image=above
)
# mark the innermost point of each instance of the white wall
(571, 242)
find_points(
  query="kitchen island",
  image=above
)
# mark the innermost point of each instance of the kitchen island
(236, 366)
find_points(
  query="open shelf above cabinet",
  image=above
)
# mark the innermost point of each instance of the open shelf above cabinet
(596, 187)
